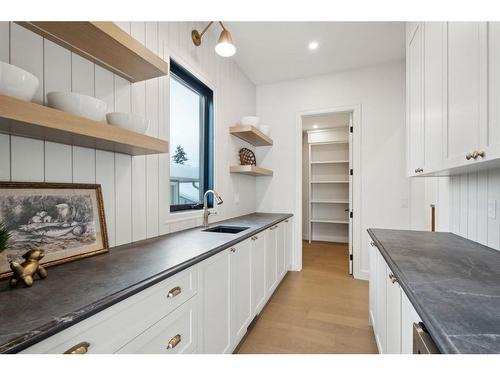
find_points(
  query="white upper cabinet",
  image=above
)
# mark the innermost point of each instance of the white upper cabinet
(453, 85)
(434, 81)
(490, 136)
(415, 98)
(465, 47)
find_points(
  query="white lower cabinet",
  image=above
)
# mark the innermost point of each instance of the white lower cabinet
(271, 260)
(241, 293)
(258, 249)
(215, 303)
(391, 312)
(205, 308)
(174, 334)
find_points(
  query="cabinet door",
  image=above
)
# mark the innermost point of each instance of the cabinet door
(393, 342)
(372, 285)
(465, 44)
(415, 99)
(258, 273)
(434, 105)
(271, 260)
(288, 244)
(241, 295)
(215, 304)
(381, 316)
(490, 136)
(408, 317)
(280, 250)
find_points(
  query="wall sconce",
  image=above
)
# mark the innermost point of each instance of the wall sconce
(224, 46)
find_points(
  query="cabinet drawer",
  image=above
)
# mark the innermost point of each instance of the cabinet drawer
(174, 334)
(111, 329)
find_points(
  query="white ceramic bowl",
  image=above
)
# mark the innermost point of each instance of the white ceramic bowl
(78, 104)
(130, 121)
(265, 129)
(17, 82)
(250, 120)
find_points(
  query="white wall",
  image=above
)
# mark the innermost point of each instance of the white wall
(135, 189)
(380, 91)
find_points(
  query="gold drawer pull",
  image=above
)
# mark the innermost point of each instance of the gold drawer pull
(80, 348)
(468, 156)
(174, 292)
(273, 228)
(174, 341)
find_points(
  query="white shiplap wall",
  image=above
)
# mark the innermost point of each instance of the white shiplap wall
(135, 189)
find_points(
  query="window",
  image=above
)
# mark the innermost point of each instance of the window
(191, 139)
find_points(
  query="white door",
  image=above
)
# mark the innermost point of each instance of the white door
(393, 343)
(280, 250)
(490, 136)
(408, 317)
(288, 243)
(271, 260)
(381, 315)
(258, 288)
(372, 285)
(434, 105)
(415, 99)
(465, 44)
(215, 278)
(241, 294)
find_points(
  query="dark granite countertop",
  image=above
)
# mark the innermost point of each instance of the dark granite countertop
(74, 291)
(453, 283)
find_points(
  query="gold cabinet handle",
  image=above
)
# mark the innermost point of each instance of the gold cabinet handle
(468, 156)
(80, 348)
(474, 155)
(286, 221)
(273, 228)
(254, 238)
(233, 250)
(393, 278)
(174, 341)
(481, 153)
(174, 292)
(372, 243)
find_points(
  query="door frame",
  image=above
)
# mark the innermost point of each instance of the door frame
(355, 109)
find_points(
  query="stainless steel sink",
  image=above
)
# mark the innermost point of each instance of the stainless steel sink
(225, 229)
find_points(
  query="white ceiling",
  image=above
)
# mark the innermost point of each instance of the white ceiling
(277, 51)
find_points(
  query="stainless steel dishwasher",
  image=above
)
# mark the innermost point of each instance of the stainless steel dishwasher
(422, 341)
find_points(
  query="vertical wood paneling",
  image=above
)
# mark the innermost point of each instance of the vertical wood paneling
(482, 207)
(472, 207)
(455, 207)
(123, 198)
(464, 203)
(27, 159)
(103, 87)
(57, 73)
(83, 165)
(4, 157)
(493, 223)
(105, 175)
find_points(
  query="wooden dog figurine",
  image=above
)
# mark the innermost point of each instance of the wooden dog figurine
(25, 271)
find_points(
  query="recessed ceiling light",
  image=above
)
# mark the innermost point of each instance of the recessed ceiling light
(315, 126)
(313, 45)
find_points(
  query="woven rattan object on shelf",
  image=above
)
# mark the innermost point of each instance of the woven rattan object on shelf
(247, 157)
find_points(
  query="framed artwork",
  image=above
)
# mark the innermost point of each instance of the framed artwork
(66, 221)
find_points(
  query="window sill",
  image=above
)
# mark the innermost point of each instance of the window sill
(177, 216)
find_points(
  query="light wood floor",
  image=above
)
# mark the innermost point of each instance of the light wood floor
(321, 309)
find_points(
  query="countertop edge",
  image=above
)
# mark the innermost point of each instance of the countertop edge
(57, 325)
(439, 337)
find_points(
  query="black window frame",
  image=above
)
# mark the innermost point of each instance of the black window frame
(195, 84)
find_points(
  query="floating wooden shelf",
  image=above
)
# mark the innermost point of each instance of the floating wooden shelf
(251, 135)
(250, 170)
(33, 120)
(105, 44)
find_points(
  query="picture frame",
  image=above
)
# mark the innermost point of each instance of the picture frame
(65, 220)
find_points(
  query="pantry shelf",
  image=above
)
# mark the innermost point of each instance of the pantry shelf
(26, 119)
(250, 170)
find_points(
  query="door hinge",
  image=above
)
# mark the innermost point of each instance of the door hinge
(351, 214)
(350, 129)
(351, 172)
(350, 256)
